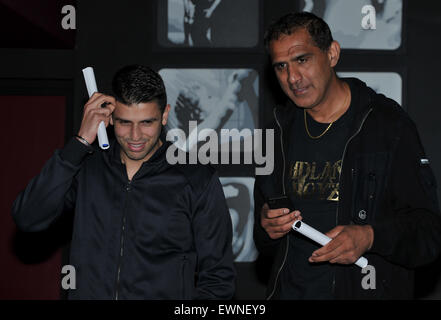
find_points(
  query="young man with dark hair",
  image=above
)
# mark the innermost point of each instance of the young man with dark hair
(143, 229)
(352, 164)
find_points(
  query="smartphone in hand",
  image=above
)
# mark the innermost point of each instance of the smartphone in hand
(280, 202)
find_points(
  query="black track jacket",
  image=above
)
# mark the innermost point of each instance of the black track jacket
(385, 182)
(166, 234)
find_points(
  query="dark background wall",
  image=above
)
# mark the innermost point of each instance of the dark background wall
(111, 34)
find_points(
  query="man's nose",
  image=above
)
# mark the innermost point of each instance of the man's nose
(293, 75)
(135, 133)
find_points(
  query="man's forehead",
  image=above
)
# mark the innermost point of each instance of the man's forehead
(297, 49)
(292, 51)
(143, 108)
(142, 105)
(299, 40)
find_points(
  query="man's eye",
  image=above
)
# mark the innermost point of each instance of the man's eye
(123, 122)
(280, 66)
(302, 60)
(147, 122)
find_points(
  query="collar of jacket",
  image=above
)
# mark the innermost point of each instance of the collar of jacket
(285, 117)
(285, 114)
(155, 164)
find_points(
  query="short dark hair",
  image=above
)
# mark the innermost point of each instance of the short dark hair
(318, 29)
(139, 84)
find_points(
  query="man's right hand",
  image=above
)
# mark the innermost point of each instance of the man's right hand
(94, 113)
(278, 222)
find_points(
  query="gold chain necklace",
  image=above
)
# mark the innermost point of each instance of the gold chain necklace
(326, 130)
(307, 131)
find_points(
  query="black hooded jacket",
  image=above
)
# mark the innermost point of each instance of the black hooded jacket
(386, 182)
(166, 234)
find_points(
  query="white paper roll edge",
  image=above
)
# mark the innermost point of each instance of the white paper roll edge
(89, 78)
(102, 136)
(321, 238)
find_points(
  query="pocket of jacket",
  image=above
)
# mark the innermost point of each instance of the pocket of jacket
(428, 181)
(368, 183)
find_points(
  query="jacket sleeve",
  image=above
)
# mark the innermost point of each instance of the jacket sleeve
(264, 244)
(51, 191)
(213, 241)
(410, 235)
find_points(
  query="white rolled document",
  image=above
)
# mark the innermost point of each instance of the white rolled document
(89, 78)
(321, 238)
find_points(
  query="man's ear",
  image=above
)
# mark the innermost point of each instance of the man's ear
(165, 114)
(334, 53)
(111, 120)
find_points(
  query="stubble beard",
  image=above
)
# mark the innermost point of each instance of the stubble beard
(134, 157)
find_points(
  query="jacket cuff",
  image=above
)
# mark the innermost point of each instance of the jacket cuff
(75, 151)
(381, 236)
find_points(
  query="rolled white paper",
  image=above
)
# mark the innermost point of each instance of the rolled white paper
(89, 78)
(321, 238)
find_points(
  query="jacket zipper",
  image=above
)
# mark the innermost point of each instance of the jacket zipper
(339, 178)
(121, 252)
(184, 282)
(284, 193)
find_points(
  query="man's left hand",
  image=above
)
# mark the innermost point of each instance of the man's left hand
(347, 245)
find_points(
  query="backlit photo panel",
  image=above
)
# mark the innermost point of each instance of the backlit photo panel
(388, 83)
(347, 17)
(208, 23)
(239, 195)
(215, 98)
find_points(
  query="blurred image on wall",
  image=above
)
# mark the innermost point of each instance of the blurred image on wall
(388, 83)
(238, 193)
(344, 18)
(208, 23)
(214, 98)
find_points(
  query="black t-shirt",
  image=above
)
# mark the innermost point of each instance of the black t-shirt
(314, 173)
